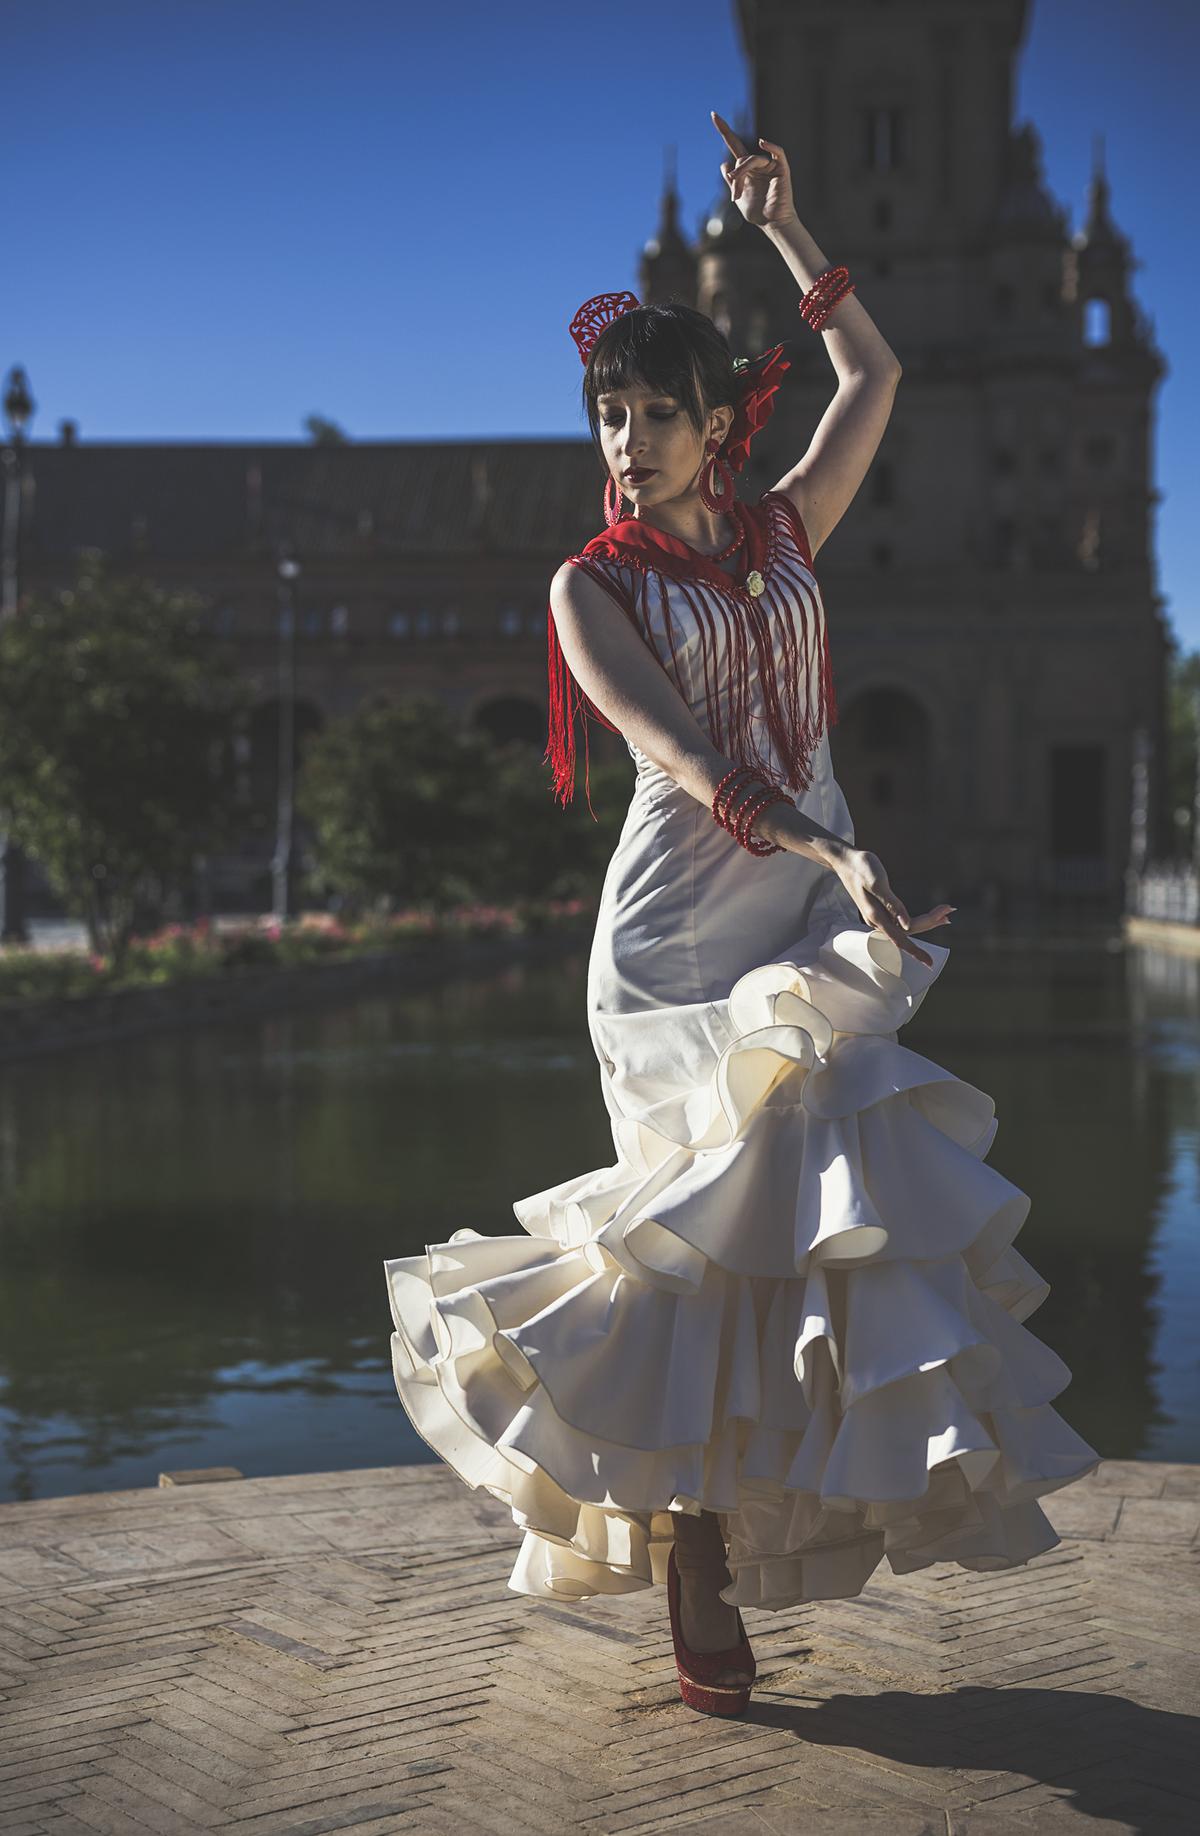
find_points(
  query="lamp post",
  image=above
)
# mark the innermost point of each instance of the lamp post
(18, 412)
(283, 873)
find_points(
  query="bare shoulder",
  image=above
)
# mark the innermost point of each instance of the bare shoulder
(574, 591)
(567, 584)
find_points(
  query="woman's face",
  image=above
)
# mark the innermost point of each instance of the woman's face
(645, 431)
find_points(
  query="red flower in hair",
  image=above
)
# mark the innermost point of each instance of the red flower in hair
(756, 406)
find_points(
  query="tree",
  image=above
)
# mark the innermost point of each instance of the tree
(116, 708)
(323, 432)
(538, 848)
(393, 798)
(407, 807)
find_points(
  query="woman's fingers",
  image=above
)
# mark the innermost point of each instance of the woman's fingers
(940, 914)
(885, 922)
(892, 905)
(889, 914)
(727, 134)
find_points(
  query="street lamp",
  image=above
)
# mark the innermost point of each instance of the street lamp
(283, 873)
(18, 408)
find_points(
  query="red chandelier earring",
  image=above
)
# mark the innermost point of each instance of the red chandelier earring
(713, 466)
(613, 513)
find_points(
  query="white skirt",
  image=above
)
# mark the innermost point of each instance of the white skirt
(793, 1299)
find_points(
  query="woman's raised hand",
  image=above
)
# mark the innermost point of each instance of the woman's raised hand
(759, 182)
(865, 879)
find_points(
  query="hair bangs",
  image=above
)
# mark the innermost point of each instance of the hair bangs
(668, 348)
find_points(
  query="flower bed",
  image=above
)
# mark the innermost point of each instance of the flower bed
(178, 952)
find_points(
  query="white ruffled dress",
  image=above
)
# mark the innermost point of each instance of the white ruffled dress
(793, 1299)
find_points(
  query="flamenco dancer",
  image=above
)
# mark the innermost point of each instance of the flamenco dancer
(780, 1337)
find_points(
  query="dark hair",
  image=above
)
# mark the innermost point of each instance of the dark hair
(671, 347)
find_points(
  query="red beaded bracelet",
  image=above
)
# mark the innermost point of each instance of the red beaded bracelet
(729, 788)
(825, 293)
(748, 814)
(822, 291)
(733, 785)
(754, 792)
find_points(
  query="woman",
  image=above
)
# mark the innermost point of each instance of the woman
(779, 1338)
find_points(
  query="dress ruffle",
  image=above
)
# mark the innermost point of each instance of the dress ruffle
(794, 1300)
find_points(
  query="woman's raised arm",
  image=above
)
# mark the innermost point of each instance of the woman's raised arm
(823, 484)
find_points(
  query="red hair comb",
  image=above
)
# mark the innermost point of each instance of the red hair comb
(595, 314)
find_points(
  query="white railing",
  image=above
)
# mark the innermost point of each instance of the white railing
(1166, 890)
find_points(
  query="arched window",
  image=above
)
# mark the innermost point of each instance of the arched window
(1097, 322)
(399, 624)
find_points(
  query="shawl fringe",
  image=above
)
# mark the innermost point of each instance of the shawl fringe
(795, 717)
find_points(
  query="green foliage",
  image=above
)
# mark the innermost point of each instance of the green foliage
(406, 806)
(116, 708)
(539, 849)
(394, 797)
(324, 432)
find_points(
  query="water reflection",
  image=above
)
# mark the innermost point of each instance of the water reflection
(192, 1228)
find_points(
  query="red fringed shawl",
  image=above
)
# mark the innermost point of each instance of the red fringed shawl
(782, 616)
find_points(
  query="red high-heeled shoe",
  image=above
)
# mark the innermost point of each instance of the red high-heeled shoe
(698, 1669)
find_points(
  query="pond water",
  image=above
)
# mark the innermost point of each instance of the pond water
(192, 1227)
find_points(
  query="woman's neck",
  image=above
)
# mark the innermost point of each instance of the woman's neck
(707, 531)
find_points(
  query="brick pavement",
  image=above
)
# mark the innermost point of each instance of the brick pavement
(341, 1652)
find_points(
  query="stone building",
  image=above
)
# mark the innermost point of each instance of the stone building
(998, 638)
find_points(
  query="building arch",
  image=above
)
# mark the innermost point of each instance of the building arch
(889, 748)
(508, 718)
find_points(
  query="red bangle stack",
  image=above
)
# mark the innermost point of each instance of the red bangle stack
(755, 793)
(823, 296)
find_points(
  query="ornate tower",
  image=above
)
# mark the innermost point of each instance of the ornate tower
(668, 266)
(997, 632)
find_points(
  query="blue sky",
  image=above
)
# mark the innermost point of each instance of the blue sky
(223, 215)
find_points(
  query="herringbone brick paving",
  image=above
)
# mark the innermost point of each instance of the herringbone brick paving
(341, 1652)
